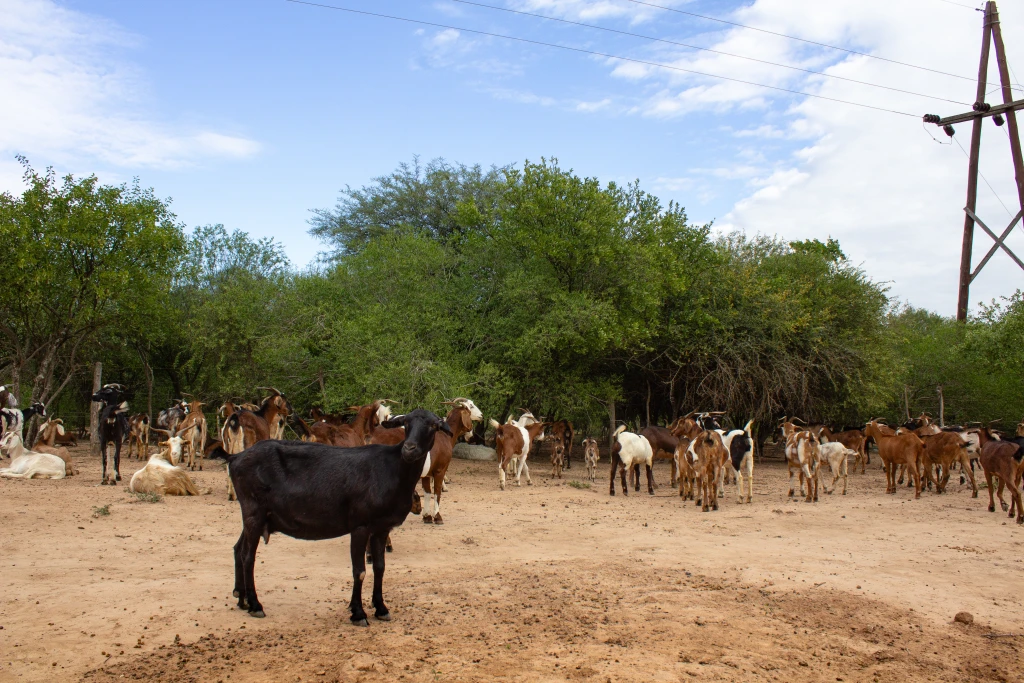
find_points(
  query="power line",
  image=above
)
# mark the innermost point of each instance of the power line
(960, 4)
(802, 40)
(597, 54)
(705, 49)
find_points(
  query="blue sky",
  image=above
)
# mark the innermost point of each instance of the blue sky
(252, 113)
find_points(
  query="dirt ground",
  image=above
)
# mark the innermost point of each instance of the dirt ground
(546, 582)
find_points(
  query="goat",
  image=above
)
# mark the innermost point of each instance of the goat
(193, 430)
(459, 421)
(113, 425)
(159, 476)
(740, 445)
(7, 399)
(44, 444)
(709, 455)
(631, 450)
(664, 443)
(562, 433)
(52, 433)
(837, 456)
(170, 418)
(313, 492)
(803, 457)
(853, 439)
(686, 474)
(138, 435)
(512, 443)
(243, 428)
(26, 464)
(906, 449)
(15, 419)
(591, 454)
(1002, 460)
(942, 450)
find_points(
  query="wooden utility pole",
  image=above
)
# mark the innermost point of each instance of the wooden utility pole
(942, 407)
(94, 412)
(991, 37)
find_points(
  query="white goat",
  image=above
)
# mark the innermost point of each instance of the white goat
(837, 456)
(163, 478)
(28, 464)
(629, 450)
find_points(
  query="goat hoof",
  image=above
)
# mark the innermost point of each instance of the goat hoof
(427, 519)
(258, 613)
(438, 520)
(1004, 506)
(383, 617)
(975, 495)
(235, 594)
(991, 508)
(360, 622)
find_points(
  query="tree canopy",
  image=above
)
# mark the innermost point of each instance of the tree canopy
(520, 286)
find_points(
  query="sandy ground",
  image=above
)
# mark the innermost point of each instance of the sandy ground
(547, 582)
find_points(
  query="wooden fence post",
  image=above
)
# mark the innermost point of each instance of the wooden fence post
(94, 410)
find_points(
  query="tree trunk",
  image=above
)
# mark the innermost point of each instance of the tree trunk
(648, 403)
(611, 423)
(942, 408)
(94, 412)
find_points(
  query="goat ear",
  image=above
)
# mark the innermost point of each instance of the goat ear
(397, 421)
(442, 426)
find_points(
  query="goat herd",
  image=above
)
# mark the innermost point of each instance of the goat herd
(357, 474)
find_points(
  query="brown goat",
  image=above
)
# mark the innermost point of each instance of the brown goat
(591, 454)
(895, 450)
(942, 450)
(1002, 460)
(709, 454)
(853, 439)
(460, 422)
(513, 442)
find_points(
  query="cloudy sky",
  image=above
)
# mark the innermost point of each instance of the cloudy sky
(252, 112)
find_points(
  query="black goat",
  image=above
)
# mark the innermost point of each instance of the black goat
(313, 491)
(170, 418)
(113, 425)
(15, 419)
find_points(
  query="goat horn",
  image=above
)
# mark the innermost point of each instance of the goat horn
(797, 419)
(389, 400)
(689, 414)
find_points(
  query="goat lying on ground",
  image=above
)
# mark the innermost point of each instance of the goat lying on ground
(837, 456)
(159, 476)
(52, 433)
(44, 445)
(26, 464)
(314, 492)
(631, 450)
(591, 454)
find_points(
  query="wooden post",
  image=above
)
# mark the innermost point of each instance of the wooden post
(906, 401)
(942, 408)
(1011, 116)
(963, 301)
(94, 412)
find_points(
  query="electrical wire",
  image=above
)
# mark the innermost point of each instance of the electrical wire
(802, 40)
(595, 53)
(705, 49)
(960, 4)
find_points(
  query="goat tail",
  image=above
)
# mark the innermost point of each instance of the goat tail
(746, 429)
(618, 431)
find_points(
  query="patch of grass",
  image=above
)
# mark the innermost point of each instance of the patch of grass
(148, 497)
(577, 484)
(101, 512)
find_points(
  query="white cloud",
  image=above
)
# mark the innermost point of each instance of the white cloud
(591, 107)
(69, 97)
(873, 180)
(593, 10)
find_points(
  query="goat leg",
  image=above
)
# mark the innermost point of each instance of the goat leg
(650, 480)
(239, 591)
(251, 531)
(360, 537)
(377, 545)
